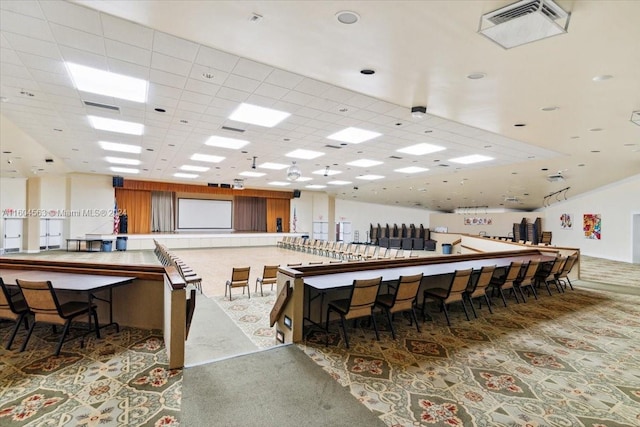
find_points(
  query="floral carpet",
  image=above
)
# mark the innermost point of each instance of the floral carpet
(567, 360)
(121, 379)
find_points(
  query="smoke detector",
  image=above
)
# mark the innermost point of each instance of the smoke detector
(524, 22)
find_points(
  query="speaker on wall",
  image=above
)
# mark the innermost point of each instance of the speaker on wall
(118, 181)
(279, 225)
(296, 194)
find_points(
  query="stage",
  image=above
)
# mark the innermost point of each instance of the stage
(192, 240)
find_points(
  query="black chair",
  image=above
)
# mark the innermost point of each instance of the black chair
(13, 307)
(454, 293)
(403, 298)
(478, 287)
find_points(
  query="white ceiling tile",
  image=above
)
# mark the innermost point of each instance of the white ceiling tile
(30, 8)
(173, 46)
(241, 83)
(284, 79)
(196, 98)
(196, 85)
(73, 16)
(160, 90)
(31, 45)
(360, 101)
(190, 107)
(59, 90)
(65, 100)
(329, 117)
(128, 69)
(214, 58)
(225, 104)
(127, 32)
(364, 115)
(312, 87)
(127, 52)
(83, 57)
(308, 112)
(76, 39)
(338, 94)
(286, 106)
(9, 56)
(218, 76)
(232, 94)
(42, 63)
(251, 69)
(261, 101)
(221, 112)
(298, 98)
(323, 104)
(170, 64)
(25, 25)
(53, 78)
(271, 91)
(167, 79)
(381, 107)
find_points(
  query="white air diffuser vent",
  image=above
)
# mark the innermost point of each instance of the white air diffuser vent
(524, 22)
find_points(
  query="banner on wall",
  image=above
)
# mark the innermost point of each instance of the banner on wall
(592, 226)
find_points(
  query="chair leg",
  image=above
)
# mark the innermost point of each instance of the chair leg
(15, 330)
(26, 340)
(393, 332)
(64, 334)
(504, 300)
(533, 290)
(518, 288)
(256, 288)
(344, 331)
(546, 283)
(95, 319)
(375, 327)
(471, 304)
(415, 319)
(486, 298)
(248, 291)
(464, 306)
(446, 313)
(569, 282)
(326, 327)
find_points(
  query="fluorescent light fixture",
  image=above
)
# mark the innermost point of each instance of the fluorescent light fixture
(370, 177)
(185, 175)
(224, 142)
(315, 186)
(122, 161)
(123, 148)
(124, 170)
(273, 166)
(304, 179)
(92, 80)
(474, 158)
(421, 149)
(261, 116)
(304, 154)
(279, 183)
(192, 168)
(112, 125)
(326, 172)
(252, 174)
(206, 158)
(364, 163)
(354, 135)
(338, 182)
(411, 169)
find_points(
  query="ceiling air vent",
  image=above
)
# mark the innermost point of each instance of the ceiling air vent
(333, 146)
(524, 22)
(98, 105)
(556, 177)
(232, 129)
(395, 157)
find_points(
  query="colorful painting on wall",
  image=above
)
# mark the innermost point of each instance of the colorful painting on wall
(592, 226)
(566, 221)
(477, 221)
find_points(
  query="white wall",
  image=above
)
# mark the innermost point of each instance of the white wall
(501, 222)
(616, 203)
(90, 192)
(362, 215)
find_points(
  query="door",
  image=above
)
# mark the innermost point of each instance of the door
(13, 234)
(55, 233)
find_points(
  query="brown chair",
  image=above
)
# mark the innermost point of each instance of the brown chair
(239, 279)
(454, 293)
(269, 277)
(547, 274)
(528, 279)
(189, 276)
(13, 307)
(478, 287)
(359, 304)
(43, 303)
(506, 281)
(563, 276)
(403, 298)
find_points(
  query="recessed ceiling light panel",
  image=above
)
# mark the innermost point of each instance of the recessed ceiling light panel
(255, 115)
(364, 163)
(354, 135)
(185, 175)
(304, 154)
(92, 80)
(338, 182)
(279, 183)
(370, 177)
(326, 172)
(112, 125)
(224, 142)
(421, 149)
(273, 166)
(192, 168)
(411, 169)
(473, 158)
(122, 161)
(252, 174)
(315, 186)
(122, 148)
(206, 158)
(124, 170)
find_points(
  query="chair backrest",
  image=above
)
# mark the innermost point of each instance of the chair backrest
(460, 281)
(529, 272)
(270, 272)
(42, 301)
(7, 308)
(406, 291)
(513, 272)
(568, 265)
(483, 279)
(363, 297)
(240, 275)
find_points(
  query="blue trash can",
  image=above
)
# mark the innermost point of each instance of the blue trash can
(446, 248)
(121, 243)
(106, 246)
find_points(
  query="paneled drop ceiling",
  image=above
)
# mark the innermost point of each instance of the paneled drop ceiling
(573, 96)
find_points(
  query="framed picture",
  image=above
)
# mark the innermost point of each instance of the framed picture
(592, 226)
(566, 221)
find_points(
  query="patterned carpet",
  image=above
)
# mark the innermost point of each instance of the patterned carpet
(120, 380)
(612, 272)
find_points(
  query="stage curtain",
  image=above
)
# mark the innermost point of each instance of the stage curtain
(162, 211)
(278, 208)
(137, 205)
(250, 214)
